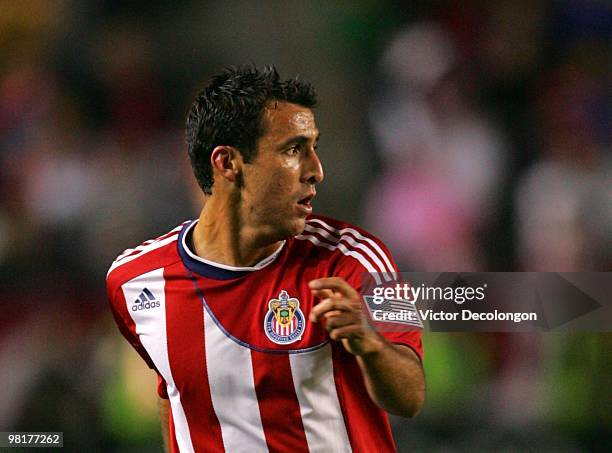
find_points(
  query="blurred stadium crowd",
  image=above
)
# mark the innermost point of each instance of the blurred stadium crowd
(470, 136)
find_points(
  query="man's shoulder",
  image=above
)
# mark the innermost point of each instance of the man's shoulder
(339, 229)
(349, 242)
(339, 226)
(149, 255)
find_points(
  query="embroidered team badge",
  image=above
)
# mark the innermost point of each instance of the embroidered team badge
(284, 321)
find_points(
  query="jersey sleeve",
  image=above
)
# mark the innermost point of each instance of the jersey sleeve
(371, 255)
(124, 321)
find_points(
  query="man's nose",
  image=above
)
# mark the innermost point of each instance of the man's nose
(312, 168)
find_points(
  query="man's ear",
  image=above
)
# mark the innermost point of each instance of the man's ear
(226, 162)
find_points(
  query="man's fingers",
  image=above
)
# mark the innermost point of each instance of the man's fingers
(327, 305)
(336, 319)
(320, 308)
(331, 313)
(348, 332)
(337, 298)
(323, 293)
(335, 284)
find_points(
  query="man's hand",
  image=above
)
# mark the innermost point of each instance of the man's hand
(340, 308)
(392, 373)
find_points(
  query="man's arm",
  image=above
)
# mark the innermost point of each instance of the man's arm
(394, 378)
(164, 416)
(393, 373)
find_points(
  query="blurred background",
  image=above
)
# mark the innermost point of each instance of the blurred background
(470, 136)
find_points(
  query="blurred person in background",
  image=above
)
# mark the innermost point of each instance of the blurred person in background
(445, 163)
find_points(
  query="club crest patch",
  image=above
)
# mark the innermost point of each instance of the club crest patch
(284, 321)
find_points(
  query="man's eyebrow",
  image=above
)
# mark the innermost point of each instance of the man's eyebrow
(298, 140)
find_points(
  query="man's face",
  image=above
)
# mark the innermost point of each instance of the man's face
(279, 183)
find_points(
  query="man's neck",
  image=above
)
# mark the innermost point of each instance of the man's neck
(222, 236)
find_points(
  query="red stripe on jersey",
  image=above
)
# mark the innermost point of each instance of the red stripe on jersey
(411, 338)
(278, 403)
(358, 408)
(185, 335)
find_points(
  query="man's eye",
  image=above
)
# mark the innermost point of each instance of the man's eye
(294, 150)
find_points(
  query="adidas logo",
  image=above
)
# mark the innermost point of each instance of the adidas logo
(145, 300)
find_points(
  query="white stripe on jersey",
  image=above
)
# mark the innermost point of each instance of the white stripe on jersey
(151, 329)
(232, 390)
(313, 379)
(358, 256)
(142, 249)
(327, 235)
(359, 236)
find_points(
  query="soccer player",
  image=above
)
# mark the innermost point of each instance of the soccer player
(250, 315)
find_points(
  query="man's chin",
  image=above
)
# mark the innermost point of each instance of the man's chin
(295, 227)
(300, 225)
(287, 229)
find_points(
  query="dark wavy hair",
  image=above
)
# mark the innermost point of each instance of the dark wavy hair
(229, 112)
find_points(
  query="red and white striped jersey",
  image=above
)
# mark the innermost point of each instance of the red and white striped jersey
(242, 366)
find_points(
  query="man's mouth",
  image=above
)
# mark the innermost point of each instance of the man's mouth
(305, 204)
